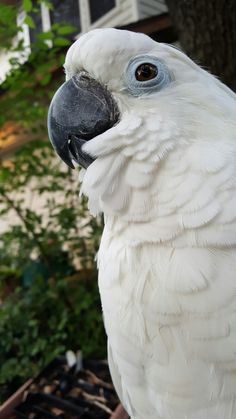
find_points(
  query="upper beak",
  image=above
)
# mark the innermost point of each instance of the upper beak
(81, 109)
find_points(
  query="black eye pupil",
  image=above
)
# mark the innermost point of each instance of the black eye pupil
(146, 72)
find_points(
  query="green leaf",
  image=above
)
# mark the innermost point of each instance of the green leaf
(61, 42)
(27, 5)
(46, 79)
(66, 30)
(45, 36)
(29, 21)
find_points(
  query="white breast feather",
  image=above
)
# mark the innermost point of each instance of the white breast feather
(165, 178)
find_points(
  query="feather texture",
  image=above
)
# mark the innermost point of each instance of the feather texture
(165, 179)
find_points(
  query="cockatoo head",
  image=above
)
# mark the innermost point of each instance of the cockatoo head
(127, 104)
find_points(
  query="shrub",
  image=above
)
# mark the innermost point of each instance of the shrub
(44, 320)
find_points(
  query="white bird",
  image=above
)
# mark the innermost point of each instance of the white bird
(156, 136)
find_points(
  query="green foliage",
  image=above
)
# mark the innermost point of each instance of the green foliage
(45, 320)
(61, 219)
(8, 26)
(27, 5)
(38, 322)
(50, 314)
(28, 88)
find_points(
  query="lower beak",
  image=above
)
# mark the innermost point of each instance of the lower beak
(81, 109)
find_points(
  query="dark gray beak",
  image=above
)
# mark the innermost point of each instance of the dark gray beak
(81, 109)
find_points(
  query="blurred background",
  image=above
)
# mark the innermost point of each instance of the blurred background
(49, 299)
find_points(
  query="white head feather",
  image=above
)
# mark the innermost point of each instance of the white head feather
(172, 151)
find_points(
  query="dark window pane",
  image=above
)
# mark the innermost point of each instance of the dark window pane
(37, 18)
(66, 13)
(100, 8)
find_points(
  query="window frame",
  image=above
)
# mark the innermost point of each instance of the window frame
(108, 14)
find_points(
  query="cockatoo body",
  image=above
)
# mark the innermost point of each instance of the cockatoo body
(162, 169)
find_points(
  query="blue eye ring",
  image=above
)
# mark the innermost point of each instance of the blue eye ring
(159, 79)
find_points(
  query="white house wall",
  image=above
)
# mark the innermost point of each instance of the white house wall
(128, 11)
(5, 65)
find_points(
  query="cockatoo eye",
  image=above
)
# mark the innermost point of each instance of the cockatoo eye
(146, 74)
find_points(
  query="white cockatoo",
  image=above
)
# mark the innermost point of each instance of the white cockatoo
(155, 134)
